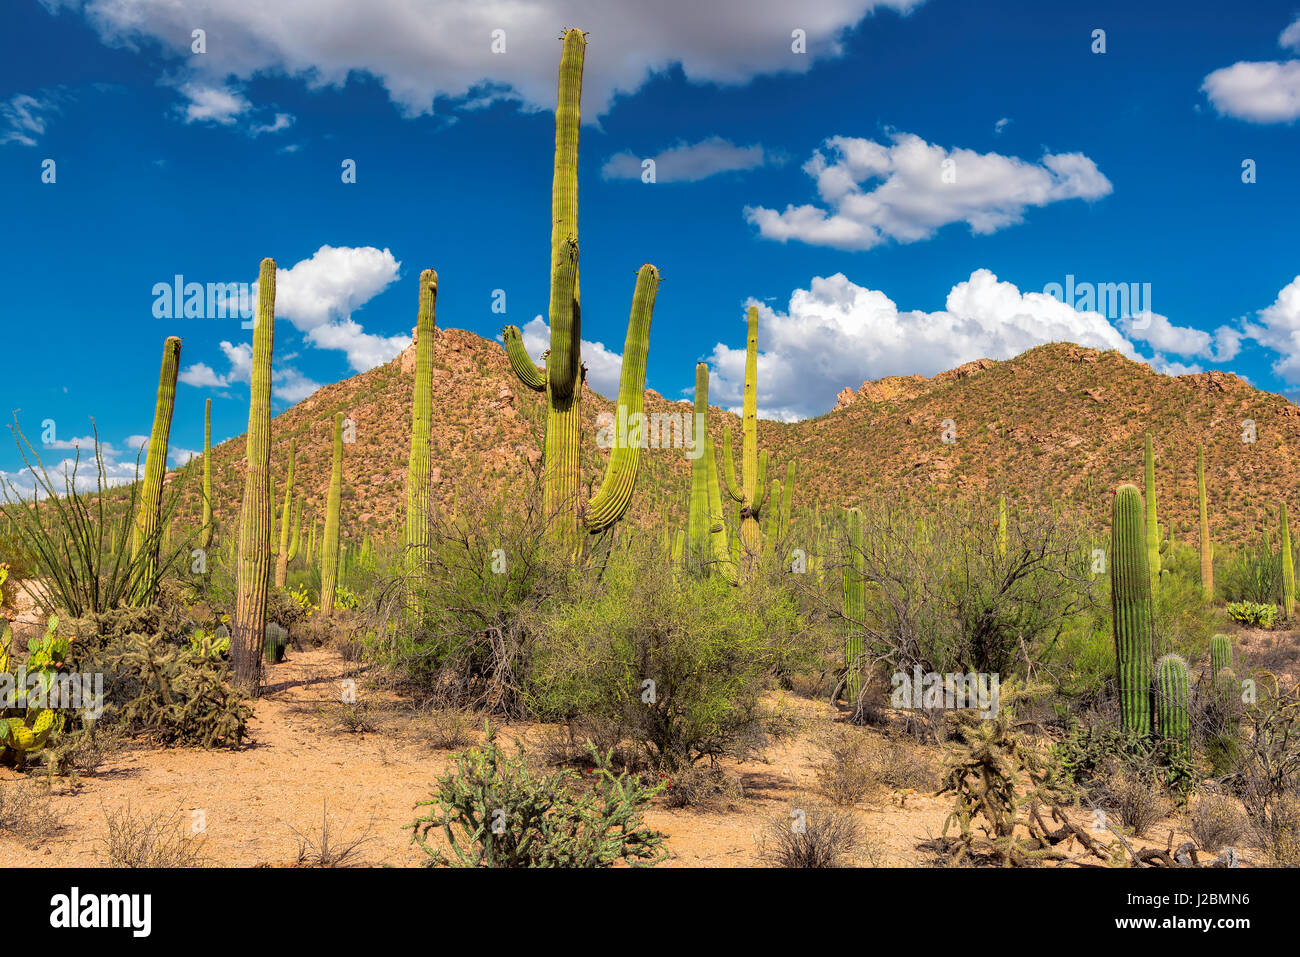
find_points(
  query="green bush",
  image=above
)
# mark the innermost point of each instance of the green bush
(495, 811)
(1255, 614)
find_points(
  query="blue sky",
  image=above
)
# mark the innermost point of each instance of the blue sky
(897, 197)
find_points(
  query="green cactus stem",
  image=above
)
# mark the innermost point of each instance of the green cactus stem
(1153, 525)
(1207, 550)
(418, 468)
(749, 492)
(722, 562)
(254, 563)
(330, 563)
(1220, 654)
(1130, 583)
(297, 528)
(852, 588)
(1173, 716)
(786, 503)
(286, 520)
(146, 536)
(1288, 569)
(1002, 526)
(205, 539)
(700, 515)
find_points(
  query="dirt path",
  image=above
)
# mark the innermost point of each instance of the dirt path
(300, 758)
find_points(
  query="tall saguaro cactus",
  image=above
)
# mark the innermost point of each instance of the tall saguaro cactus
(286, 519)
(722, 562)
(205, 539)
(329, 559)
(562, 378)
(1173, 716)
(254, 563)
(1002, 526)
(297, 528)
(418, 467)
(1288, 569)
(700, 515)
(1207, 550)
(1153, 525)
(853, 592)
(1130, 587)
(750, 491)
(145, 538)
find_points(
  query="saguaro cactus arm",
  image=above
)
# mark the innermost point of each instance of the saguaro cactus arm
(565, 361)
(531, 376)
(735, 491)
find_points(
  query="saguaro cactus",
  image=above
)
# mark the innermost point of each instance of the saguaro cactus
(205, 540)
(1207, 550)
(1130, 586)
(722, 562)
(1002, 525)
(297, 528)
(562, 378)
(1288, 569)
(145, 539)
(750, 491)
(700, 515)
(1173, 716)
(1220, 654)
(329, 563)
(286, 520)
(854, 603)
(786, 503)
(418, 468)
(1153, 525)
(254, 563)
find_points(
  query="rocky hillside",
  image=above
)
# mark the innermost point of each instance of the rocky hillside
(1058, 424)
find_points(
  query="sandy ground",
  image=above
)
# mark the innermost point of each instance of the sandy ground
(300, 763)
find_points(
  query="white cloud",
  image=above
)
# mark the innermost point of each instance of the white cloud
(1001, 125)
(212, 104)
(1259, 92)
(603, 365)
(419, 50)
(23, 117)
(364, 350)
(1162, 335)
(282, 121)
(203, 376)
(688, 163)
(909, 189)
(838, 333)
(1279, 329)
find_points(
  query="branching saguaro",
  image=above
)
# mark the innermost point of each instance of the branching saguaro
(254, 563)
(563, 375)
(751, 491)
(146, 537)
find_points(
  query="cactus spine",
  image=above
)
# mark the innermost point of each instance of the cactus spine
(1220, 654)
(145, 537)
(1130, 585)
(854, 604)
(562, 378)
(1173, 718)
(749, 492)
(418, 468)
(286, 519)
(1153, 525)
(254, 563)
(1207, 550)
(205, 539)
(329, 571)
(1288, 569)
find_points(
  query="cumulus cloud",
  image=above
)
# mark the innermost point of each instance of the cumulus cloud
(1259, 92)
(23, 117)
(837, 333)
(603, 365)
(1278, 329)
(908, 189)
(687, 163)
(421, 51)
(1157, 331)
(212, 104)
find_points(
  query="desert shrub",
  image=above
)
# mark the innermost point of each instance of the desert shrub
(811, 837)
(1184, 620)
(1267, 776)
(677, 663)
(447, 729)
(326, 848)
(859, 765)
(1251, 574)
(1092, 753)
(1136, 800)
(27, 811)
(1217, 822)
(493, 810)
(1255, 614)
(134, 838)
(705, 787)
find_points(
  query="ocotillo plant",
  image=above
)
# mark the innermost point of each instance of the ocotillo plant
(749, 492)
(1173, 716)
(145, 537)
(286, 519)
(254, 564)
(1130, 586)
(418, 466)
(329, 562)
(700, 517)
(854, 603)
(1153, 525)
(563, 376)
(1288, 569)
(205, 540)
(1220, 654)
(1207, 550)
